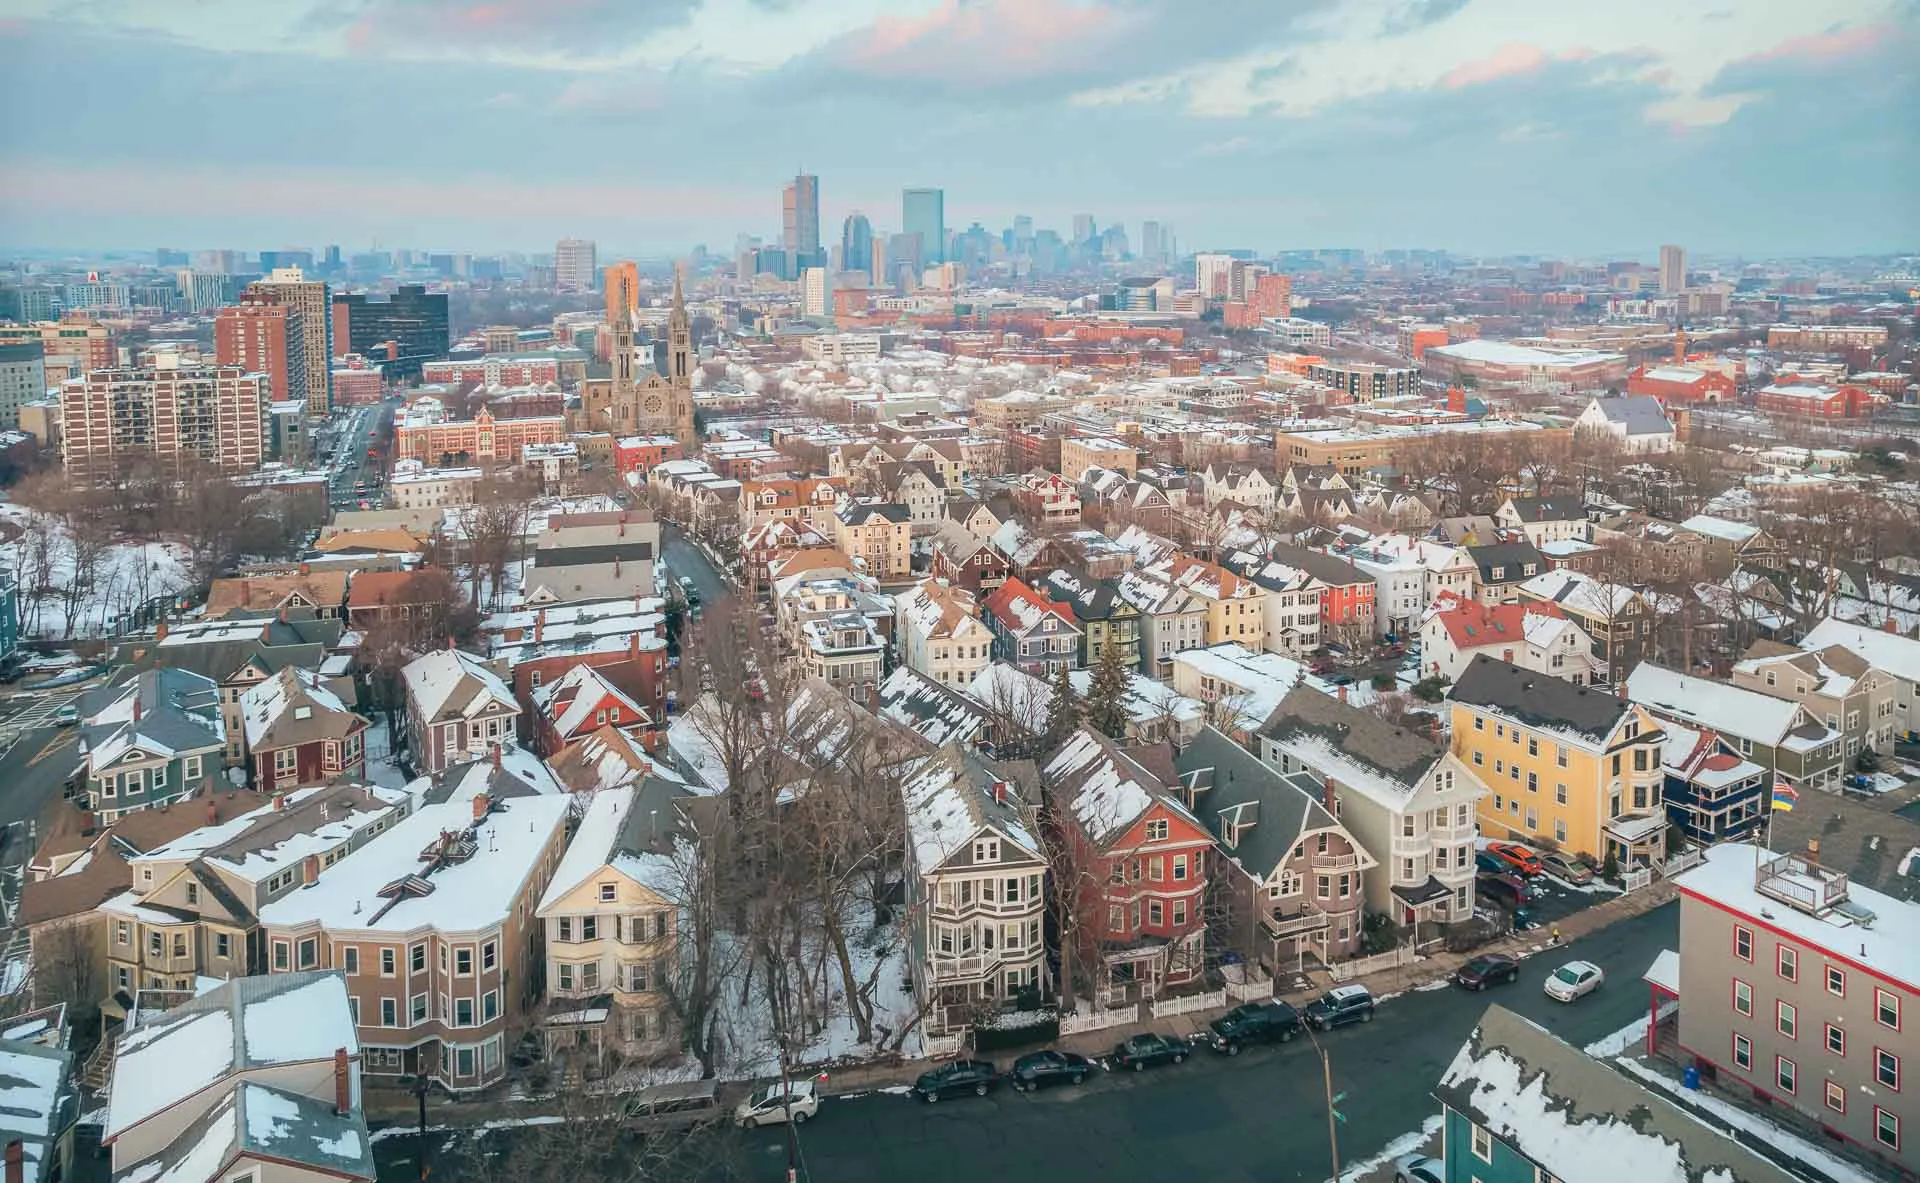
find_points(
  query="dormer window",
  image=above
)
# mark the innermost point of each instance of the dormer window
(986, 850)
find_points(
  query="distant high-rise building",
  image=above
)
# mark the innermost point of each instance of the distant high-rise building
(1213, 275)
(1673, 269)
(314, 301)
(203, 291)
(856, 243)
(574, 264)
(413, 319)
(923, 214)
(1082, 228)
(800, 220)
(169, 412)
(1150, 242)
(23, 379)
(621, 284)
(1022, 233)
(816, 293)
(903, 261)
(263, 335)
(222, 262)
(168, 257)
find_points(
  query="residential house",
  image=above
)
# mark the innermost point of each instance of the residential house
(322, 593)
(1141, 859)
(938, 714)
(1106, 618)
(1617, 619)
(1557, 518)
(1241, 484)
(835, 625)
(1156, 712)
(800, 502)
(939, 634)
(1236, 607)
(624, 640)
(975, 890)
(1048, 498)
(1172, 618)
(965, 559)
(434, 927)
(763, 544)
(1281, 852)
(1836, 685)
(1767, 940)
(1500, 568)
(1032, 633)
(149, 741)
(1520, 1106)
(1240, 687)
(916, 486)
(258, 1078)
(612, 915)
(1896, 655)
(1408, 575)
(975, 517)
(579, 703)
(1569, 765)
(592, 556)
(1347, 594)
(1290, 600)
(298, 732)
(1636, 423)
(416, 594)
(457, 708)
(1030, 556)
(41, 1101)
(1535, 636)
(1780, 735)
(1713, 793)
(1407, 800)
(875, 535)
(1729, 543)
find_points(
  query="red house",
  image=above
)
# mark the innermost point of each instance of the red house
(1140, 859)
(1679, 386)
(966, 561)
(579, 703)
(299, 733)
(625, 641)
(639, 453)
(1808, 401)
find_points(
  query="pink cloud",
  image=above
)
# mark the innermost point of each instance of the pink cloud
(1509, 61)
(984, 39)
(1832, 46)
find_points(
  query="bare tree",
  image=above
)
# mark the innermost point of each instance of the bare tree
(68, 964)
(495, 529)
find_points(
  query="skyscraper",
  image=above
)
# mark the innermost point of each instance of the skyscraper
(262, 335)
(414, 319)
(1082, 228)
(1213, 275)
(1673, 269)
(1150, 249)
(800, 220)
(816, 293)
(574, 262)
(856, 243)
(621, 282)
(313, 301)
(923, 212)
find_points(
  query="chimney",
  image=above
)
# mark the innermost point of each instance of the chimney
(540, 626)
(1813, 852)
(89, 825)
(342, 1084)
(1891, 627)
(16, 1162)
(1342, 694)
(310, 869)
(279, 802)
(136, 704)
(449, 640)
(494, 753)
(1328, 797)
(306, 569)
(633, 647)
(213, 812)
(999, 790)
(282, 614)
(160, 630)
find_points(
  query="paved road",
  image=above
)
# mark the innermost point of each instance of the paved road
(1260, 1116)
(683, 558)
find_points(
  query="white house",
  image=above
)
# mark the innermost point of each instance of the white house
(1535, 636)
(939, 634)
(1637, 421)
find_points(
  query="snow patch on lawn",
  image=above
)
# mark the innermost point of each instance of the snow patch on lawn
(127, 575)
(1406, 1143)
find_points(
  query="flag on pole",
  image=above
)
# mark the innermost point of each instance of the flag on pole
(1785, 797)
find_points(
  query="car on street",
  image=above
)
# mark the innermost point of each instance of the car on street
(1148, 1049)
(66, 716)
(1509, 891)
(961, 1076)
(1418, 1168)
(774, 1103)
(1566, 868)
(1253, 1022)
(1574, 980)
(1489, 969)
(1037, 1070)
(1518, 858)
(1340, 1006)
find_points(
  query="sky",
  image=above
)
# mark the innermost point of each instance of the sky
(1579, 128)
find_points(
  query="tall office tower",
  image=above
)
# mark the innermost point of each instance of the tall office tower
(1022, 233)
(261, 335)
(172, 412)
(856, 243)
(877, 269)
(800, 220)
(621, 283)
(923, 213)
(904, 260)
(413, 319)
(574, 263)
(1082, 228)
(168, 257)
(290, 286)
(332, 259)
(816, 292)
(1213, 275)
(1673, 269)
(203, 290)
(23, 379)
(1149, 242)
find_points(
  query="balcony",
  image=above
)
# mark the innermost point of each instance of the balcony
(1280, 927)
(1336, 862)
(952, 969)
(1800, 882)
(957, 910)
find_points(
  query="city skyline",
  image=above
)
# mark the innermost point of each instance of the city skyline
(1365, 123)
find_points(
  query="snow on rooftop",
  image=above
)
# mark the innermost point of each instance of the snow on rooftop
(1746, 714)
(1109, 798)
(1720, 528)
(1262, 679)
(1504, 353)
(307, 1022)
(30, 1090)
(1896, 654)
(592, 845)
(159, 1066)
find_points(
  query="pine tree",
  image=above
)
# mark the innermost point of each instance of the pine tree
(1107, 696)
(1063, 711)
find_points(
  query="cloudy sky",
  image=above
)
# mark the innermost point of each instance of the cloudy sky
(1582, 127)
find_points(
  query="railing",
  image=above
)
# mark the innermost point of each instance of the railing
(941, 1047)
(1360, 967)
(1310, 920)
(1166, 1008)
(1798, 883)
(948, 968)
(1253, 990)
(1681, 862)
(1335, 862)
(1099, 1019)
(976, 905)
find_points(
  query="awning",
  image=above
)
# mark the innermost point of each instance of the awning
(1664, 973)
(1423, 893)
(1635, 830)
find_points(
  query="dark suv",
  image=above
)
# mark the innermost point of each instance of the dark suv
(1340, 1006)
(1253, 1022)
(961, 1076)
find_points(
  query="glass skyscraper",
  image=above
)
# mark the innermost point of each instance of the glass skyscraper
(923, 212)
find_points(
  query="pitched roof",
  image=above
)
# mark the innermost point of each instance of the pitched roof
(319, 589)
(271, 1123)
(371, 589)
(165, 711)
(1549, 509)
(1729, 709)
(1105, 789)
(292, 708)
(1512, 557)
(1355, 747)
(1641, 414)
(1540, 701)
(449, 682)
(38, 1101)
(1269, 810)
(635, 831)
(1022, 608)
(571, 699)
(936, 713)
(949, 797)
(1326, 568)
(1471, 624)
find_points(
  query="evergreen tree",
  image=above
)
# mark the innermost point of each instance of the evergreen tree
(1063, 711)
(1107, 696)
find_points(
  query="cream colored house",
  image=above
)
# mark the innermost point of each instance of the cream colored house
(939, 633)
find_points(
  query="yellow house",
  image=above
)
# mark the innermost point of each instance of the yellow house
(1236, 607)
(1566, 766)
(611, 915)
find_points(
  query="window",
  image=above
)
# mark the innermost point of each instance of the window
(389, 1012)
(122, 932)
(463, 1062)
(193, 893)
(607, 892)
(417, 1009)
(387, 963)
(1786, 1074)
(350, 959)
(566, 973)
(488, 955)
(463, 1012)
(1742, 1052)
(490, 1006)
(1155, 913)
(1560, 755)
(417, 958)
(1482, 1144)
(987, 850)
(1836, 981)
(1179, 867)
(1836, 1097)
(1789, 963)
(1836, 1040)
(565, 931)
(180, 944)
(1533, 782)
(1786, 1019)
(353, 1008)
(1533, 746)
(282, 954)
(1560, 794)
(309, 953)
(463, 962)
(1154, 869)
(1743, 997)
(1743, 943)
(1886, 1068)
(1886, 1128)
(1157, 830)
(1179, 913)
(222, 944)
(1886, 1008)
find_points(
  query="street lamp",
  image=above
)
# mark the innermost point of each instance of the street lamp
(1334, 1116)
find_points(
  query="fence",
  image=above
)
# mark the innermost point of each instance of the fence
(1681, 862)
(1255, 990)
(1360, 967)
(1634, 880)
(1098, 1019)
(1165, 1008)
(940, 1047)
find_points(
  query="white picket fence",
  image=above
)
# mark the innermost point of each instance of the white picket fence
(940, 1047)
(1099, 1019)
(1634, 880)
(1342, 971)
(1253, 991)
(1682, 861)
(1166, 1008)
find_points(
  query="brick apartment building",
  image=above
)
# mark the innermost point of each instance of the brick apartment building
(263, 336)
(169, 411)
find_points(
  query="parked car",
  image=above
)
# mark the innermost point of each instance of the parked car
(1340, 1006)
(66, 716)
(774, 1103)
(1253, 1022)
(1144, 1051)
(1418, 1168)
(1482, 861)
(1573, 980)
(1036, 1070)
(1489, 969)
(1507, 890)
(1518, 858)
(1566, 868)
(961, 1076)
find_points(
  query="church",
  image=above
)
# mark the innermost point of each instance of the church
(628, 404)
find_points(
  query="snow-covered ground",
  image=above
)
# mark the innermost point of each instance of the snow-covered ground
(1838, 1170)
(127, 575)
(381, 769)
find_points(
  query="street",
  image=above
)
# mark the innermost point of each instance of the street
(32, 771)
(1259, 1116)
(681, 557)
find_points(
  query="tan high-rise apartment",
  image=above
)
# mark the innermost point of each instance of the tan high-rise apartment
(574, 262)
(621, 284)
(263, 335)
(168, 411)
(290, 286)
(1673, 268)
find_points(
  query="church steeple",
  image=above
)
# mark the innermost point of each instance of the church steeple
(680, 365)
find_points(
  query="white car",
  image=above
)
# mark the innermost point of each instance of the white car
(1574, 979)
(1418, 1168)
(772, 1104)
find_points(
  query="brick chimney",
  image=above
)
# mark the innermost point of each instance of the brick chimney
(481, 802)
(1813, 852)
(306, 569)
(213, 812)
(540, 626)
(89, 825)
(136, 703)
(310, 869)
(160, 630)
(1341, 694)
(342, 1084)
(1328, 797)
(450, 640)
(281, 615)
(16, 1162)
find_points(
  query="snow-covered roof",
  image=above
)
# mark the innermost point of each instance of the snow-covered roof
(1721, 528)
(948, 800)
(1106, 789)
(578, 693)
(1261, 679)
(623, 829)
(449, 682)
(1725, 708)
(1148, 700)
(37, 1101)
(1580, 593)
(1898, 655)
(1503, 353)
(262, 842)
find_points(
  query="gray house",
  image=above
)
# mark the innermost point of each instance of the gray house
(1775, 733)
(152, 740)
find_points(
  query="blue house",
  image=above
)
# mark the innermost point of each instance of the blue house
(1522, 1107)
(1712, 793)
(9, 614)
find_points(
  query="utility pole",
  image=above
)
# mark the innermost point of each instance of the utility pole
(1334, 1116)
(420, 1092)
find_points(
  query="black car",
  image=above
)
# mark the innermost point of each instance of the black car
(1488, 970)
(1151, 1048)
(1037, 1070)
(1253, 1022)
(961, 1076)
(1340, 1006)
